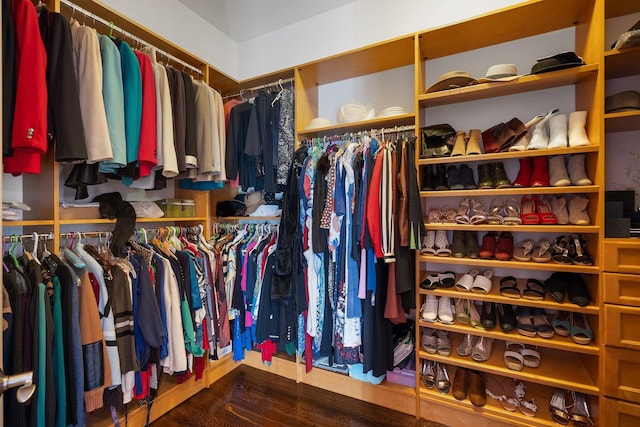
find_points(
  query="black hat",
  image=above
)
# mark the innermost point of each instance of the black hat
(557, 62)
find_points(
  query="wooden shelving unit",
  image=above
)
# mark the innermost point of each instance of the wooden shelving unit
(510, 155)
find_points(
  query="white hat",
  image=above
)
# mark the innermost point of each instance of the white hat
(350, 113)
(500, 73)
(318, 122)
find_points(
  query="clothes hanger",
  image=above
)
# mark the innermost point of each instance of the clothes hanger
(12, 250)
(34, 252)
(279, 95)
(111, 26)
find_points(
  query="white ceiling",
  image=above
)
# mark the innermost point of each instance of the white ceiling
(243, 20)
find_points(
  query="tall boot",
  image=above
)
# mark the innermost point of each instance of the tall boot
(473, 143)
(540, 173)
(524, 174)
(558, 131)
(577, 131)
(460, 146)
(558, 176)
(577, 172)
(485, 177)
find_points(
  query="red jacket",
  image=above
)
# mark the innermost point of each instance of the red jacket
(29, 135)
(147, 153)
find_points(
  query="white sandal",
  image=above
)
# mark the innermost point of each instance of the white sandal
(465, 282)
(482, 283)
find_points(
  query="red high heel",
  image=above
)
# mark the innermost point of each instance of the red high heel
(545, 214)
(528, 211)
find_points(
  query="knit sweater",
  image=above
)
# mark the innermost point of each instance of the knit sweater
(97, 369)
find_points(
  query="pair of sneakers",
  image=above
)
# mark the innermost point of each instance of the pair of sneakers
(437, 309)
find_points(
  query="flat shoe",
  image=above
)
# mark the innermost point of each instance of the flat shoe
(430, 282)
(524, 316)
(509, 287)
(523, 251)
(482, 283)
(541, 251)
(446, 279)
(542, 325)
(495, 391)
(533, 290)
(465, 282)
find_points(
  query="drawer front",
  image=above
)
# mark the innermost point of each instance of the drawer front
(619, 413)
(622, 256)
(622, 289)
(622, 378)
(621, 326)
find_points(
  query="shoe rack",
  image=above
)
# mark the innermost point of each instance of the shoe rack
(620, 256)
(564, 364)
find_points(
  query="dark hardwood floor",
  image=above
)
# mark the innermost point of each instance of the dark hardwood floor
(250, 397)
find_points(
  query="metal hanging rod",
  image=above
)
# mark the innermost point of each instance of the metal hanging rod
(23, 237)
(367, 132)
(264, 86)
(111, 25)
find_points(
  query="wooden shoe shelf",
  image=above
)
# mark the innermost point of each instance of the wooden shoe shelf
(564, 364)
(509, 155)
(579, 229)
(540, 394)
(558, 368)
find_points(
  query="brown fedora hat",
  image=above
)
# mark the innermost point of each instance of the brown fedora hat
(624, 101)
(451, 80)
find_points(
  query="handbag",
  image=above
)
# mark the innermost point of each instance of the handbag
(437, 141)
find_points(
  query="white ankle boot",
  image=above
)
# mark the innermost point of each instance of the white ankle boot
(576, 169)
(558, 176)
(540, 135)
(577, 132)
(522, 143)
(558, 131)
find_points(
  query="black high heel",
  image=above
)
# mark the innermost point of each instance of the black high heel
(580, 412)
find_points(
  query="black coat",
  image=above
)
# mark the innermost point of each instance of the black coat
(8, 76)
(65, 120)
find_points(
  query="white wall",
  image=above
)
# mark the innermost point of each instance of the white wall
(354, 25)
(183, 27)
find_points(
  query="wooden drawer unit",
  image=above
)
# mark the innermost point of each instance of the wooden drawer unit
(623, 289)
(620, 414)
(622, 255)
(621, 327)
(622, 379)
